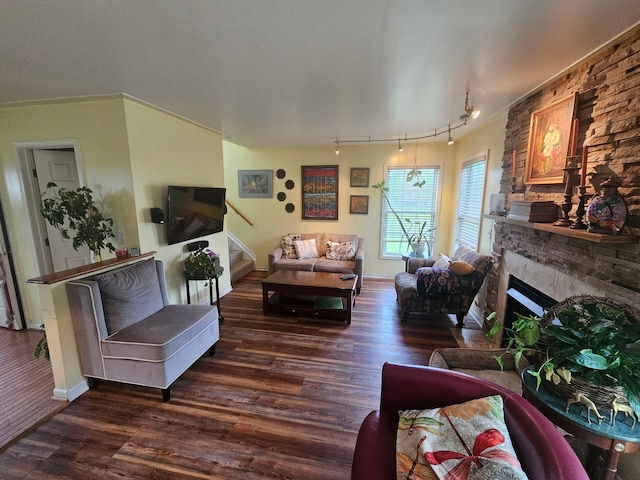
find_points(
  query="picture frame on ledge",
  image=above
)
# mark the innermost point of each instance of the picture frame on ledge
(549, 141)
(255, 183)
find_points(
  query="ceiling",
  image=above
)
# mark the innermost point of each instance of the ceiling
(302, 72)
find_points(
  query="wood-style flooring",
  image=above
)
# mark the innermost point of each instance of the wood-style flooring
(26, 385)
(283, 398)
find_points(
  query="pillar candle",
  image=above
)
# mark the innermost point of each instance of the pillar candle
(583, 173)
(574, 137)
(513, 165)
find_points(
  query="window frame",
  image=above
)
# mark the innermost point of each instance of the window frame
(482, 157)
(438, 199)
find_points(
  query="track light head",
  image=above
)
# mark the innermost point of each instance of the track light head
(337, 147)
(400, 147)
(450, 141)
(471, 112)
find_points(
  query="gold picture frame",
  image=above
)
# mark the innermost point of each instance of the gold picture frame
(549, 140)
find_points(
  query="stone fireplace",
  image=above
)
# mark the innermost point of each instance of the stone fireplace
(559, 266)
(553, 260)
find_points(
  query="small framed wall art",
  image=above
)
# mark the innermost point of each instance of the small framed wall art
(359, 204)
(359, 177)
(255, 183)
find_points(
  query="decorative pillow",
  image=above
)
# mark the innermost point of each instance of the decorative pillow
(435, 282)
(442, 261)
(341, 251)
(287, 245)
(460, 267)
(129, 294)
(465, 441)
(306, 248)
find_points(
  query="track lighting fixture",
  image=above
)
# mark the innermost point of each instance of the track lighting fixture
(470, 114)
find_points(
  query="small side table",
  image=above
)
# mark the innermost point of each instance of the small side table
(189, 278)
(613, 440)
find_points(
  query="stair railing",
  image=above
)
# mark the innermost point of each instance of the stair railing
(242, 216)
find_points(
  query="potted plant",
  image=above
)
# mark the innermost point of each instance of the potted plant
(586, 344)
(418, 240)
(74, 211)
(203, 263)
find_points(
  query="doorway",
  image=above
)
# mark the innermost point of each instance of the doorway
(58, 161)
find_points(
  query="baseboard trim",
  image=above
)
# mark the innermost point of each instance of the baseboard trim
(72, 393)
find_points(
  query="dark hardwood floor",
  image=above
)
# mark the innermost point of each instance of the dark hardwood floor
(283, 397)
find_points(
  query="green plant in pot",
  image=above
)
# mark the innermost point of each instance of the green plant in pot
(203, 263)
(74, 212)
(586, 344)
(414, 231)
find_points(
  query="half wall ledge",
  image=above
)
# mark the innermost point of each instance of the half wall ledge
(69, 383)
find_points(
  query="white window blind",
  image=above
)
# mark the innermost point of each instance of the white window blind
(409, 202)
(470, 202)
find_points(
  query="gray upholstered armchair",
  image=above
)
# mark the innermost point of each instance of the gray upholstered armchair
(126, 331)
(413, 297)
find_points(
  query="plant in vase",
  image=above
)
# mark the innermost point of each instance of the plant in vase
(73, 211)
(585, 344)
(418, 239)
(203, 263)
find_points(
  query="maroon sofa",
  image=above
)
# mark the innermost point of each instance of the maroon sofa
(543, 452)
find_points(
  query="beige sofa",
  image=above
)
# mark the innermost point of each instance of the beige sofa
(285, 256)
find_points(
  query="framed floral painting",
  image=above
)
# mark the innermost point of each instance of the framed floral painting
(549, 139)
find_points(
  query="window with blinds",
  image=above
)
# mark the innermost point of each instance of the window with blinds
(409, 202)
(470, 202)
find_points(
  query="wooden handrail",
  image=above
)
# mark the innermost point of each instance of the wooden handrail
(239, 212)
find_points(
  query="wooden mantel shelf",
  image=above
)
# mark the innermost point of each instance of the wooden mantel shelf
(566, 231)
(85, 270)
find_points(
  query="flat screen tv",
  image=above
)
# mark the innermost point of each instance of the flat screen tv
(194, 212)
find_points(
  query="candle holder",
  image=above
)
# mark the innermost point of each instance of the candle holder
(580, 211)
(570, 171)
(513, 184)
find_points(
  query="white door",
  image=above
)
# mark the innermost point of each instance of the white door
(60, 167)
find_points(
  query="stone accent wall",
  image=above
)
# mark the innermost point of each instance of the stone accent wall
(607, 84)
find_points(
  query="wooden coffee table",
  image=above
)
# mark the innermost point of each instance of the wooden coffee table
(313, 294)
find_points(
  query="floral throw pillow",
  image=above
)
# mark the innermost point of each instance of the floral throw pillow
(341, 250)
(435, 282)
(288, 246)
(468, 441)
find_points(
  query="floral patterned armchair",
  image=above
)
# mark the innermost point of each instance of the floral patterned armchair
(438, 288)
